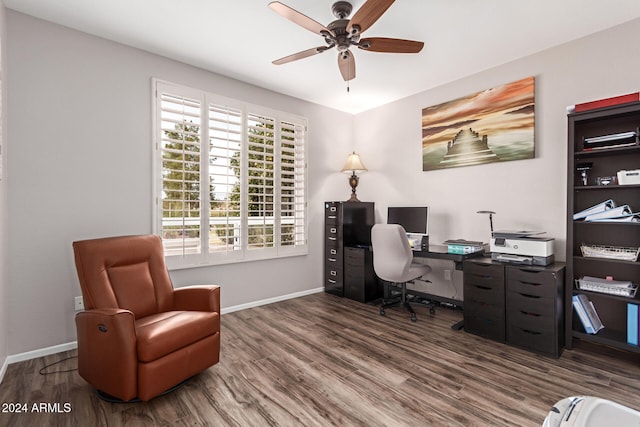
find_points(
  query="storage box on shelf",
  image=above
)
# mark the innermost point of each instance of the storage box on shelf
(602, 249)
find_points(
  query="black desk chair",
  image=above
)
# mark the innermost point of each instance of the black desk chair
(393, 262)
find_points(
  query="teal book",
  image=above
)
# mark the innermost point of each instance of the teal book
(632, 324)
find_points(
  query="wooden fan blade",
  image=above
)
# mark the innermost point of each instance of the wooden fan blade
(383, 44)
(297, 17)
(368, 14)
(300, 55)
(347, 65)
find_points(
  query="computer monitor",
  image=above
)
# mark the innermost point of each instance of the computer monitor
(414, 219)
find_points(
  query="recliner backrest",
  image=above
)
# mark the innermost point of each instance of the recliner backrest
(392, 254)
(127, 272)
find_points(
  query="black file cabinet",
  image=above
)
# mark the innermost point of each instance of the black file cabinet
(348, 262)
(360, 281)
(483, 288)
(520, 305)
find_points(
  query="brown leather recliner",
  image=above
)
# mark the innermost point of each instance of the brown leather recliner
(139, 337)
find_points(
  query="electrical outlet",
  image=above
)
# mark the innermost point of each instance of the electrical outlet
(447, 274)
(78, 303)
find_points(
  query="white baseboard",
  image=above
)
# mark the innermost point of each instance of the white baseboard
(21, 357)
(3, 369)
(14, 358)
(270, 300)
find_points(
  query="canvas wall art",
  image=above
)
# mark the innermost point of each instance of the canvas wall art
(495, 125)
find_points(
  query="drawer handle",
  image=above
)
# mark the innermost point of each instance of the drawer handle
(333, 230)
(484, 288)
(333, 209)
(332, 259)
(529, 283)
(332, 238)
(528, 313)
(333, 273)
(483, 276)
(530, 332)
(332, 281)
(525, 270)
(528, 295)
(333, 252)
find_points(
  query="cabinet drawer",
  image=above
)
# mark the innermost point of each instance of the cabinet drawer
(354, 256)
(484, 292)
(531, 282)
(331, 213)
(532, 304)
(542, 340)
(475, 308)
(333, 233)
(484, 271)
(488, 327)
(530, 319)
(332, 251)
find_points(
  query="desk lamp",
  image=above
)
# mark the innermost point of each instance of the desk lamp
(491, 213)
(353, 165)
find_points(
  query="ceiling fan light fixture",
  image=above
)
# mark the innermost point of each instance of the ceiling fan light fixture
(343, 33)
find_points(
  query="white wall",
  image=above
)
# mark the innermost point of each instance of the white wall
(80, 167)
(4, 331)
(79, 139)
(526, 194)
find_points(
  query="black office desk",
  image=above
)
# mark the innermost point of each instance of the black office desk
(440, 252)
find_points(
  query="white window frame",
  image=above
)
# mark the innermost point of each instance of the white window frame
(244, 253)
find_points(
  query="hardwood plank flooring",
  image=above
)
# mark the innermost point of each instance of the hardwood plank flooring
(321, 360)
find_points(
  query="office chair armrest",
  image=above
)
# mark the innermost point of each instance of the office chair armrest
(198, 298)
(107, 352)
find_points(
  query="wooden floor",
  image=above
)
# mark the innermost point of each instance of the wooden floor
(321, 360)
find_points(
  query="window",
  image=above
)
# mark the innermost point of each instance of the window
(229, 179)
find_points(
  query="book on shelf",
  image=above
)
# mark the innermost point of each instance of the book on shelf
(582, 315)
(632, 324)
(608, 214)
(606, 102)
(600, 207)
(587, 314)
(632, 217)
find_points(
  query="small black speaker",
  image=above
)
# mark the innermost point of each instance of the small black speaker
(424, 245)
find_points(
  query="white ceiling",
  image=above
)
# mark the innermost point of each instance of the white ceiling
(240, 38)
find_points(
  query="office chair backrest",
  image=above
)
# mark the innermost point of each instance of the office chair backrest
(126, 272)
(392, 254)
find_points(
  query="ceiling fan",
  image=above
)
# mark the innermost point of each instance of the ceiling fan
(344, 33)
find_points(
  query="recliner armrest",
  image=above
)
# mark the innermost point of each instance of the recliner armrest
(107, 351)
(198, 298)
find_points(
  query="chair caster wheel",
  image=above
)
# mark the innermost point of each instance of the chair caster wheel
(382, 312)
(413, 318)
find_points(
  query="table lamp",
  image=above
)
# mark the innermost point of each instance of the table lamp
(353, 165)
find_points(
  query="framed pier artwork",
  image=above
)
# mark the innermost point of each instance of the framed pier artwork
(495, 125)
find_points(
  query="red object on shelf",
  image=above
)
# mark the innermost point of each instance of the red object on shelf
(607, 102)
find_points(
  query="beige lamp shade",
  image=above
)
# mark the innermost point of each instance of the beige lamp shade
(354, 164)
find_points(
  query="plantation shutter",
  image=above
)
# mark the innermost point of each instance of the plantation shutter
(292, 179)
(260, 182)
(225, 144)
(180, 151)
(229, 179)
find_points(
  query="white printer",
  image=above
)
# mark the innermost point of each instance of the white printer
(521, 247)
